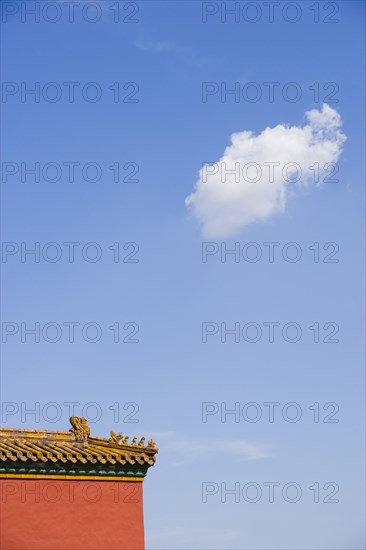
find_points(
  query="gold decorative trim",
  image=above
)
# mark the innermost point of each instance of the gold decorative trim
(67, 477)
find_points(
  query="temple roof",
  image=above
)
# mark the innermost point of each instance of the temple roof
(75, 449)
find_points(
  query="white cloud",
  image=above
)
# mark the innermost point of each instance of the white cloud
(188, 450)
(257, 188)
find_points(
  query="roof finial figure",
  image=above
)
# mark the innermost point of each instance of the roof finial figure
(80, 428)
(115, 438)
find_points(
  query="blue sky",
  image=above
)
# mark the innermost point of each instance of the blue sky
(168, 53)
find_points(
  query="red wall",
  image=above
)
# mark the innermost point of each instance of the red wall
(71, 515)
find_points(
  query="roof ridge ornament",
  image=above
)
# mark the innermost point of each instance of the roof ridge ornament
(116, 439)
(119, 439)
(80, 428)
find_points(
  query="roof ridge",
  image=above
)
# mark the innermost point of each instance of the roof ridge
(75, 446)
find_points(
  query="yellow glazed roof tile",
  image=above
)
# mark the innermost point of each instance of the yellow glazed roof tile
(75, 446)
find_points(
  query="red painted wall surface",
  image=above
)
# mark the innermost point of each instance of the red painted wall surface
(71, 515)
